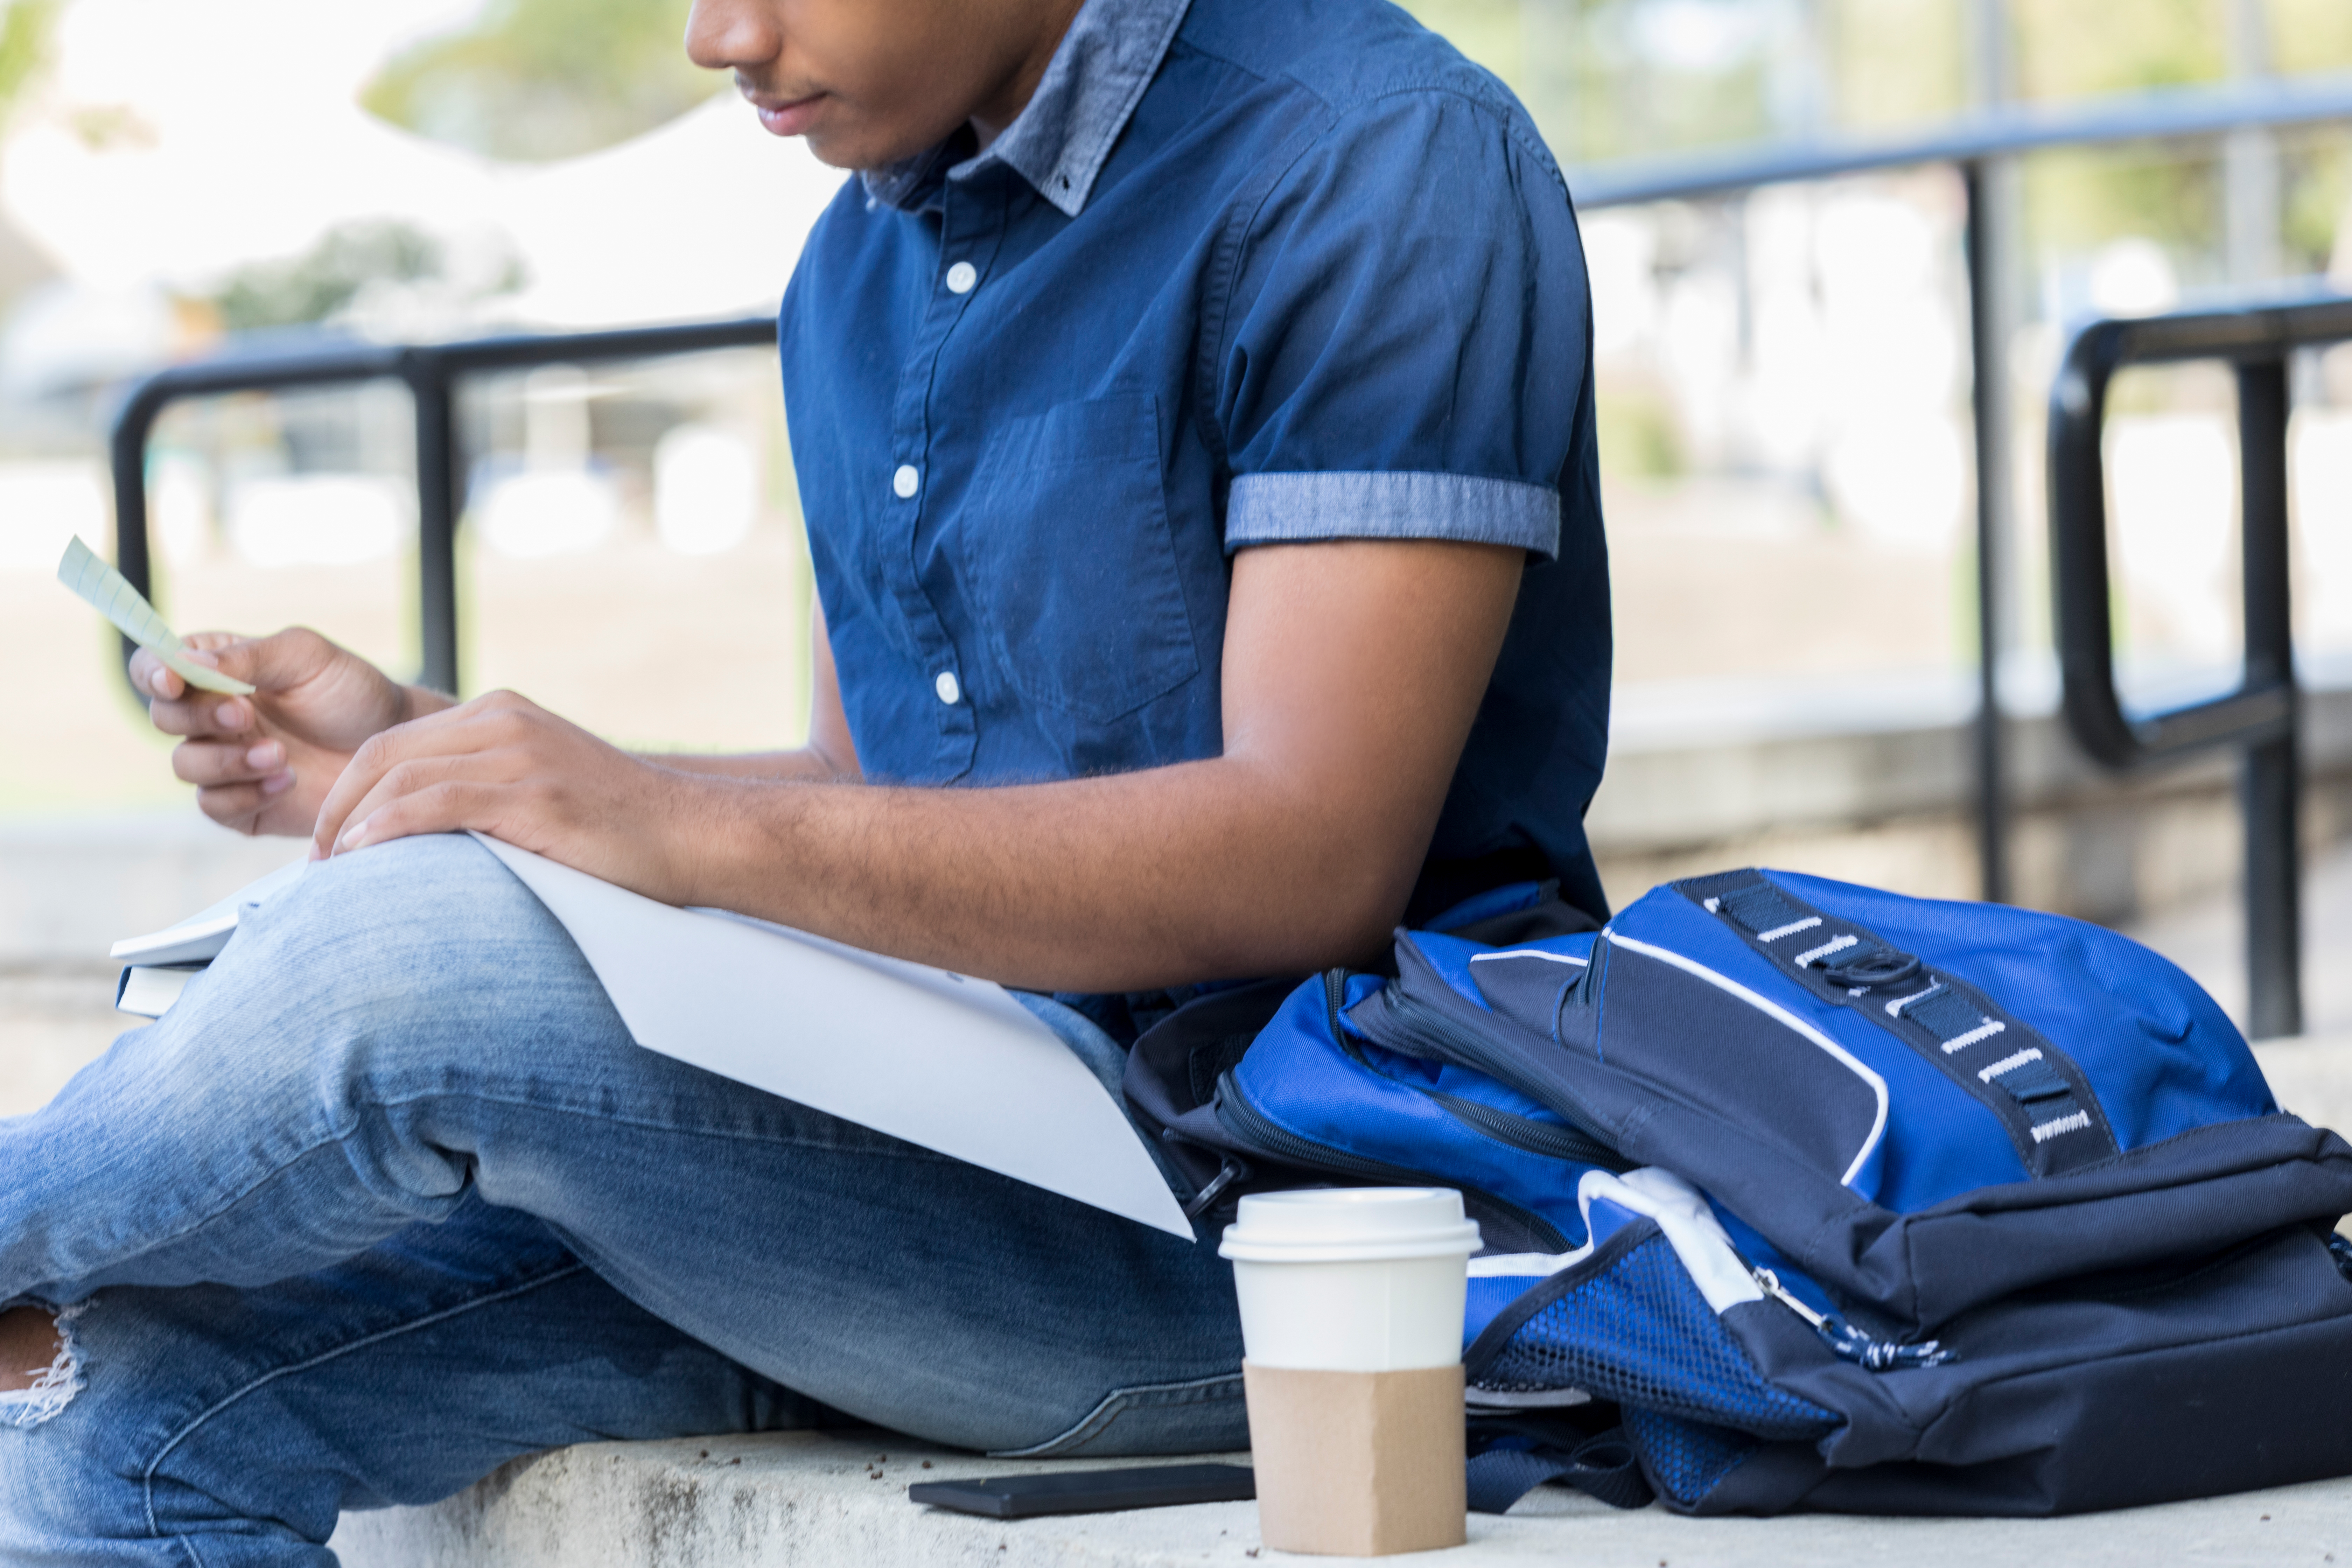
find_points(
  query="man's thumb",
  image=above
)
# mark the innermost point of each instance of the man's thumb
(272, 663)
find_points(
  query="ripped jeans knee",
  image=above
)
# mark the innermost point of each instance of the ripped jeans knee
(52, 1388)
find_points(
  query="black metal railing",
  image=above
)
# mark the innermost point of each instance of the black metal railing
(1977, 145)
(2258, 719)
(432, 373)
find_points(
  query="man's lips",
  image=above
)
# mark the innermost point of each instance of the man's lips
(786, 116)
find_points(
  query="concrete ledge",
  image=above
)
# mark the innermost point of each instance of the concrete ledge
(807, 1498)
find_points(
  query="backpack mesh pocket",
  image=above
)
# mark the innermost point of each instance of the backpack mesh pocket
(1685, 1460)
(1636, 1331)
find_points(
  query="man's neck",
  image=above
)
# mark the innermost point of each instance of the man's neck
(1002, 106)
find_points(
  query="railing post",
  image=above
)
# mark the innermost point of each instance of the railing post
(2270, 785)
(127, 456)
(439, 470)
(1990, 409)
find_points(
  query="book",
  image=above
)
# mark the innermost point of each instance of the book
(148, 991)
(200, 937)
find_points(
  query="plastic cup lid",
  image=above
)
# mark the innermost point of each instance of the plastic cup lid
(1344, 1224)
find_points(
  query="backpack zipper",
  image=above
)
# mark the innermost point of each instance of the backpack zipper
(1417, 1022)
(1422, 1024)
(1850, 1343)
(1246, 1121)
(1521, 1133)
(1529, 1135)
(1335, 1001)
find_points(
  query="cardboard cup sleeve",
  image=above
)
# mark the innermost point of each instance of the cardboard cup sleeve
(1358, 1463)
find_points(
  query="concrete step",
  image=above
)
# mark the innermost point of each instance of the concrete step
(807, 1498)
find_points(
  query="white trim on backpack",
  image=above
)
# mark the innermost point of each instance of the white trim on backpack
(1698, 1238)
(1529, 953)
(1651, 1192)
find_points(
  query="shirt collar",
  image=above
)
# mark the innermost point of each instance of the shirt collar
(1060, 142)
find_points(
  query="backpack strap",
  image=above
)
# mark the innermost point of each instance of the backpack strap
(1507, 1465)
(2040, 1095)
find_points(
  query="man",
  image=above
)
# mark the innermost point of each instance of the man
(1191, 408)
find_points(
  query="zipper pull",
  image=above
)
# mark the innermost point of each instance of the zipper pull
(1230, 1172)
(1850, 1343)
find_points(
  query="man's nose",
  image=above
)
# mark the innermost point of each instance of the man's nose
(740, 35)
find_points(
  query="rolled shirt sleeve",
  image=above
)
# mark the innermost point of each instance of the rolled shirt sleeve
(1406, 344)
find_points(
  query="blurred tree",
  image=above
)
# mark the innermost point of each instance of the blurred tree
(2078, 49)
(2310, 34)
(536, 80)
(26, 27)
(2077, 201)
(323, 280)
(349, 267)
(1633, 79)
(1896, 63)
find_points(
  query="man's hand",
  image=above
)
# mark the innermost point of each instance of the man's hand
(264, 763)
(503, 766)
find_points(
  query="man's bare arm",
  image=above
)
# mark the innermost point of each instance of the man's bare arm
(1353, 671)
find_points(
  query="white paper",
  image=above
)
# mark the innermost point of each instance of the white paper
(951, 1063)
(201, 935)
(149, 992)
(108, 592)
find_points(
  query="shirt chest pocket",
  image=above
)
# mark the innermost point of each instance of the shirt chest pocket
(1073, 574)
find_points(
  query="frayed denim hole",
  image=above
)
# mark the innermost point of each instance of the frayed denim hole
(56, 1387)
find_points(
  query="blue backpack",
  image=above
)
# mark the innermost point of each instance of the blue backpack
(1802, 1194)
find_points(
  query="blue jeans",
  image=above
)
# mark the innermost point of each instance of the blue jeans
(390, 1197)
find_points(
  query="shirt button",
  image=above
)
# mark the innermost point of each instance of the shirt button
(905, 482)
(962, 278)
(949, 689)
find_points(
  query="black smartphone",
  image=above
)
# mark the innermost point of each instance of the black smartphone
(1090, 1492)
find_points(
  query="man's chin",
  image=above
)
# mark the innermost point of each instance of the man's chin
(839, 151)
(852, 147)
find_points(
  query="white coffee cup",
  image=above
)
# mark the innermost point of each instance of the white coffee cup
(1351, 1278)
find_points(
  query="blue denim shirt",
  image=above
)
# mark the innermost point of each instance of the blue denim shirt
(1244, 272)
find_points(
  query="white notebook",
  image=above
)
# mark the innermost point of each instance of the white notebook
(200, 937)
(148, 991)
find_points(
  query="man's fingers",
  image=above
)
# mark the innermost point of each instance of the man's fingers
(177, 710)
(272, 663)
(207, 763)
(154, 677)
(443, 807)
(452, 734)
(233, 805)
(200, 713)
(420, 775)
